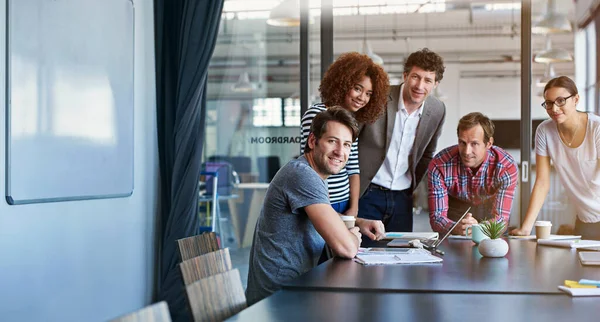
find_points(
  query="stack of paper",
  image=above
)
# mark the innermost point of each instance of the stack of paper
(582, 288)
(409, 256)
(582, 243)
(589, 258)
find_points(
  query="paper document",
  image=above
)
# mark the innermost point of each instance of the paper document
(381, 250)
(407, 256)
(412, 235)
(580, 291)
(581, 243)
(553, 237)
(459, 237)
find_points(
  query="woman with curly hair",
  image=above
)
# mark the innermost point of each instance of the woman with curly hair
(360, 86)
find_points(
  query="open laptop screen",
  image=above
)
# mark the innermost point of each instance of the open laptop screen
(439, 241)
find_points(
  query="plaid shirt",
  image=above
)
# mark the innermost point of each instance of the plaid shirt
(493, 185)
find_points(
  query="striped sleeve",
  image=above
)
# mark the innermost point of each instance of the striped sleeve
(352, 165)
(307, 119)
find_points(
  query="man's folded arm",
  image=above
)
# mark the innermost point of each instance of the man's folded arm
(330, 226)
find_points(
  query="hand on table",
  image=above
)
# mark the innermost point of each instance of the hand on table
(520, 232)
(467, 221)
(374, 229)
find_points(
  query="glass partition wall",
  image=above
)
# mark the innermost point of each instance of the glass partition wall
(254, 75)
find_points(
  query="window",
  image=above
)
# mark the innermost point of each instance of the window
(267, 112)
(291, 112)
(276, 112)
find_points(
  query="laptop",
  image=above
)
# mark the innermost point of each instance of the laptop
(431, 244)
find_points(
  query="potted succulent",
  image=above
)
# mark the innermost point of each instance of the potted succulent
(495, 246)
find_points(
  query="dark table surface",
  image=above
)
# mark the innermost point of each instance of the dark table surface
(527, 268)
(298, 305)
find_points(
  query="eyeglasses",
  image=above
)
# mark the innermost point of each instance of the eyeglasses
(559, 101)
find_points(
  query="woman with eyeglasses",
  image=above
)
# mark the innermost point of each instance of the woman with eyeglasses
(571, 140)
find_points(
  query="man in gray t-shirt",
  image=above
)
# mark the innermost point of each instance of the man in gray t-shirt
(297, 219)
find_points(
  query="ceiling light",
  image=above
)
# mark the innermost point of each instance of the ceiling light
(552, 55)
(548, 75)
(243, 84)
(552, 22)
(366, 47)
(285, 14)
(367, 50)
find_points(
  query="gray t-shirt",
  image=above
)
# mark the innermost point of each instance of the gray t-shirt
(286, 244)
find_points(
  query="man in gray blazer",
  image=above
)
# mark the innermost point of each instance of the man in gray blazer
(394, 152)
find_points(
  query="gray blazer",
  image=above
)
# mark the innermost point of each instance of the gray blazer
(374, 139)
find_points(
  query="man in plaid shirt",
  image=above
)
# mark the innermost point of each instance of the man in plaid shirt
(475, 173)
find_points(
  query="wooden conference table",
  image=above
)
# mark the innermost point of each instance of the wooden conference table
(523, 286)
(311, 305)
(527, 268)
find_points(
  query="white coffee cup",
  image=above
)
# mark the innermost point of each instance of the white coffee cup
(542, 229)
(349, 221)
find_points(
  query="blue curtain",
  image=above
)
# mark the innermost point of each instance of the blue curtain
(185, 37)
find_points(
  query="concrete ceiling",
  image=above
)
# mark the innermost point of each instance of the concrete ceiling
(483, 43)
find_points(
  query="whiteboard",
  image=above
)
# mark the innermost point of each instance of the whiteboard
(69, 109)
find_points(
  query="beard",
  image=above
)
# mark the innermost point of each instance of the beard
(322, 162)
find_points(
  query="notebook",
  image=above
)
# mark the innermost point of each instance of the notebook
(589, 258)
(581, 243)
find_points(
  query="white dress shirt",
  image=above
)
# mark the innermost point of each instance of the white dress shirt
(394, 173)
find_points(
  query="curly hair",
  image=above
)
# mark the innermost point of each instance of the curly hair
(347, 71)
(426, 60)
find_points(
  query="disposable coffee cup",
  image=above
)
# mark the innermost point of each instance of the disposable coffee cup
(349, 221)
(542, 229)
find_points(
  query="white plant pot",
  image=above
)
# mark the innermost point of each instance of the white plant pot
(493, 247)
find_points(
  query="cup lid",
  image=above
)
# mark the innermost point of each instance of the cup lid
(543, 223)
(348, 218)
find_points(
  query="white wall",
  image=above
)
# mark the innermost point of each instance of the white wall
(85, 260)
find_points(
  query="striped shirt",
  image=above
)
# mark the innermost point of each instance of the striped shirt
(339, 184)
(493, 185)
